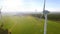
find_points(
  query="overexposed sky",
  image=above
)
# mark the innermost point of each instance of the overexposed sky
(28, 5)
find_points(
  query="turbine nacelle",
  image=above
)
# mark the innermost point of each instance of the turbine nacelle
(46, 12)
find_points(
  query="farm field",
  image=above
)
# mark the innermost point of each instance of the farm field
(29, 25)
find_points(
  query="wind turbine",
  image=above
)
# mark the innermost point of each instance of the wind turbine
(0, 13)
(1, 17)
(45, 13)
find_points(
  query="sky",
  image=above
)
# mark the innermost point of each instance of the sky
(29, 5)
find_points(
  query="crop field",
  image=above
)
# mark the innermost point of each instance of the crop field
(29, 25)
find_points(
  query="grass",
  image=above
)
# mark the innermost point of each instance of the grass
(29, 25)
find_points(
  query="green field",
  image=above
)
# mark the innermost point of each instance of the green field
(29, 25)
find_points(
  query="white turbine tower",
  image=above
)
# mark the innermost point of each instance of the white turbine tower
(0, 12)
(1, 17)
(45, 12)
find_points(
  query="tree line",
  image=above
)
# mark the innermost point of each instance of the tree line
(55, 17)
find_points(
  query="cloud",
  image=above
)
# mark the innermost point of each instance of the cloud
(20, 5)
(12, 4)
